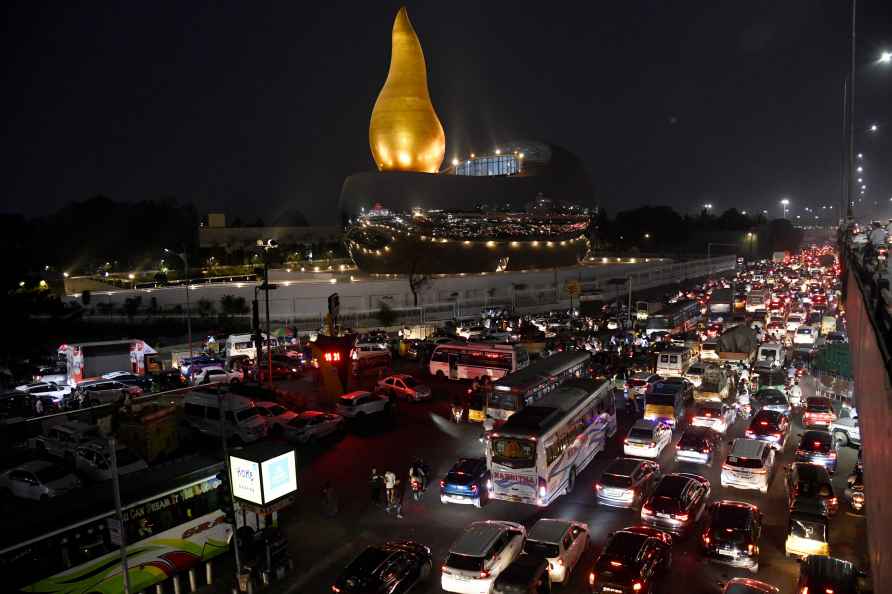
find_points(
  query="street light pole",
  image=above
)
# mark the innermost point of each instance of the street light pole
(851, 184)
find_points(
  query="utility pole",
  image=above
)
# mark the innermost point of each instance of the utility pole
(185, 258)
(221, 397)
(119, 514)
(849, 214)
(269, 350)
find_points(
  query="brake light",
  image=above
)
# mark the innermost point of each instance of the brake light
(626, 441)
(833, 501)
(817, 444)
(651, 445)
(682, 517)
(636, 586)
(749, 433)
(832, 454)
(763, 423)
(616, 563)
(543, 488)
(750, 548)
(647, 511)
(484, 574)
(591, 578)
(473, 488)
(442, 484)
(335, 589)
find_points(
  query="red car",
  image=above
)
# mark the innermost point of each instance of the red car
(818, 412)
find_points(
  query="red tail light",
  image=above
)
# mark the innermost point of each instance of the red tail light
(647, 511)
(473, 488)
(484, 574)
(592, 578)
(636, 586)
(763, 423)
(682, 517)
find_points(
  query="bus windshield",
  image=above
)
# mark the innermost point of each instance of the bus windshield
(502, 399)
(514, 452)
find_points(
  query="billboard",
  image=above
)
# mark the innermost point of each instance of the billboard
(263, 481)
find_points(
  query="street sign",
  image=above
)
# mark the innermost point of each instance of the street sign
(114, 531)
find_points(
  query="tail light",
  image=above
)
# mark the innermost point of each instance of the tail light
(682, 517)
(592, 578)
(543, 488)
(833, 501)
(651, 445)
(749, 433)
(484, 574)
(636, 586)
(473, 488)
(626, 441)
(832, 454)
(645, 510)
(750, 549)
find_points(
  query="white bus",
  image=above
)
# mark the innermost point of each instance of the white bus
(473, 360)
(537, 454)
(243, 344)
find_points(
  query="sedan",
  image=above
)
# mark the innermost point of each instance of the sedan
(55, 391)
(404, 386)
(647, 438)
(627, 482)
(38, 480)
(276, 415)
(771, 426)
(773, 399)
(312, 425)
(817, 447)
(466, 482)
(732, 532)
(391, 567)
(677, 503)
(700, 445)
(715, 415)
(633, 560)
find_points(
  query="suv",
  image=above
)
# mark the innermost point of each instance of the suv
(358, 404)
(731, 536)
(749, 465)
(560, 542)
(770, 426)
(810, 481)
(631, 561)
(818, 412)
(63, 439)
(677, 503)
(106, 391)
(817, 447)
(845, 429)
(480, 554)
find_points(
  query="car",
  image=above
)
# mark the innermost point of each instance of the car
(667, 384)
(805, 336)
(846, 429)
(731, 535)
(818, 412)
(311, 425)
(773, 399)
(404, 386)
(57, 392)
(22, 405)
(748, 586)
(794, 320)
(809, 481)
(700, 445)
(776, 330)
(359, 404)
(836, 338)
(677, 503)
(131, 379)
(820, 573)
(93, 460)
(480, 554)
(395, 566)
(770, 426)
(817, 447)
(748, 465)
(560, 542)
(61, 440)
(627, 482)
(276, 415)
(633, 560)
(102, 391)
(694, 374)
(466, 482)
(216, 374)
(716, 415)
(39, 480)
(647, 438)
(640, 381)
(283, 367)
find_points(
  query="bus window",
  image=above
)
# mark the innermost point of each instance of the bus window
(514, 452)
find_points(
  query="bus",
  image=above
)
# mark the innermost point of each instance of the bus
(676, 318)
(537, 454)
(476, 359)
(757, 300)
(521, 388)
(172, 521)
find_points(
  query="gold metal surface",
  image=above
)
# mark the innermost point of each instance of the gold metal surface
(405, 133)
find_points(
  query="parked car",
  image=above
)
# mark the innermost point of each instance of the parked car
(276, 415)
(215, 374)
(480, 554)
(38, 480)
(732, 532)
(396, 566)
(57, 392)
(359, 404)
(633, 560)
(93, 460)
(627, 482)
(102, 391)
(677, 503)
(312, 425)
(22, 405)
(243, 421)
(131, 379)
(560, 542)
(466, 482)
(404, 386)
(63, 439)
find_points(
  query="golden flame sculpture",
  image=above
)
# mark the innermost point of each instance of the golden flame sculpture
(405, 133)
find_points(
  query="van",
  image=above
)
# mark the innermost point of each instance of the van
(483, 551)
(773, 353)
(749, 465)
(243, 423)
(243, 344)
(673, 362)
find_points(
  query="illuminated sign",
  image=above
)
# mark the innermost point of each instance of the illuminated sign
(245, 480)
(263, 481)
(332, 357)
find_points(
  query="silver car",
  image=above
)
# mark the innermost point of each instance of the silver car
(771, 399)
(38, 480)
(312, 425)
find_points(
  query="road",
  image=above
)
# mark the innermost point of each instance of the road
(321, 547)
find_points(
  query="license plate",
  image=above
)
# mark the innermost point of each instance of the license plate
(608, 589)
(728, 552)
(659, 515)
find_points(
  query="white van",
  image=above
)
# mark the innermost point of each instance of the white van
(242, 344)
(773, 353)
(243, 422)
(674, 361)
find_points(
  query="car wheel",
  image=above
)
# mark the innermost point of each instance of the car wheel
(841, 439)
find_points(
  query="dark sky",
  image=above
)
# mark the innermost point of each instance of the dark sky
(254, 108)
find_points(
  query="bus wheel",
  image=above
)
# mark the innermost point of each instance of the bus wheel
(571, 481)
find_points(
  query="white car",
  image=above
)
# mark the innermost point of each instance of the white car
(55, 391)
(794, 321)
(749, 465)
(277, 416)
(694, 374)
(360, 403)
(560, 542)
(845, 428)
(38, 480)
(647, 439)
(217, 374)
(404, 386)
(805, 336)
(480, 555)
(93, 461)
(312, 425)
(718, 416)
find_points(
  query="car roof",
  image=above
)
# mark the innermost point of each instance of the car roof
(466, 465)
(266, 403)
(747, 448)
(809, 471)
(828, 569)
(477, 538)
(549, 530)
(354, 395)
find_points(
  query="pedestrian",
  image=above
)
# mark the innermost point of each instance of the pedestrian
(389, 487)
(38, 406)
(375, 485)
(399, 496)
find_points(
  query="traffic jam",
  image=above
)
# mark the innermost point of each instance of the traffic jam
(696, 444)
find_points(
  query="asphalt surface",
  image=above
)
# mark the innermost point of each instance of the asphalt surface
(321, 546)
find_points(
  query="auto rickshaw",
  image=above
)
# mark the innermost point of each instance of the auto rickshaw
(808, 530)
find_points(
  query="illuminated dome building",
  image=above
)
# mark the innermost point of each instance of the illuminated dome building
(517, 208)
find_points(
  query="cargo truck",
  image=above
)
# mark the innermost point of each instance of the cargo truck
(87, 360)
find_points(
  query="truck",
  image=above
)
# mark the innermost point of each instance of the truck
(771, 355)
(87, 360)
(645, 309)
(738, 345)
(713, 386)
(721, 304)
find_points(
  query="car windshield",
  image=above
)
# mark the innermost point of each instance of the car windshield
(410, 381)
(641, 434)
(244, 415)
(692, 440)
(660, 399)
(624, 545)
(812, 529)
(816, 405)
(541, 549)
(816, 442)
(745, 462)
(616, 480)
(709, 410)
(51, 473)
(730, 517)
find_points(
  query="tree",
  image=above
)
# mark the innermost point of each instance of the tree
(231, 305)
(385, 314)
(417, 282)
(205, 307)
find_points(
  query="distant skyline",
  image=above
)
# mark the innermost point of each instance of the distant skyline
(255, 110)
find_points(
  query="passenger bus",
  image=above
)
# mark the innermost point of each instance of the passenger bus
(172, 521)
(757, 300)
(521, 388)
(537, 454)
(477, 359)
(676, 318)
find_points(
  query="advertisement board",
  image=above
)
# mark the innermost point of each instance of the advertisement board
(269, 476)
(245, 480)
(279, 476)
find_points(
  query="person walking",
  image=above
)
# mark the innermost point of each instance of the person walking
(399, 497)
(390, 488)
(375, 481)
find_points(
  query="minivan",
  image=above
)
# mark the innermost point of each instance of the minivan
(243, 423)
(483, 551)
(749, 465)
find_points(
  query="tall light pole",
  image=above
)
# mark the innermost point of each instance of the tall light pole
(267, 245)
(185, 258)
(785, 203)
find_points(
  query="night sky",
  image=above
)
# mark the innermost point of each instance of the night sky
(255, 108)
